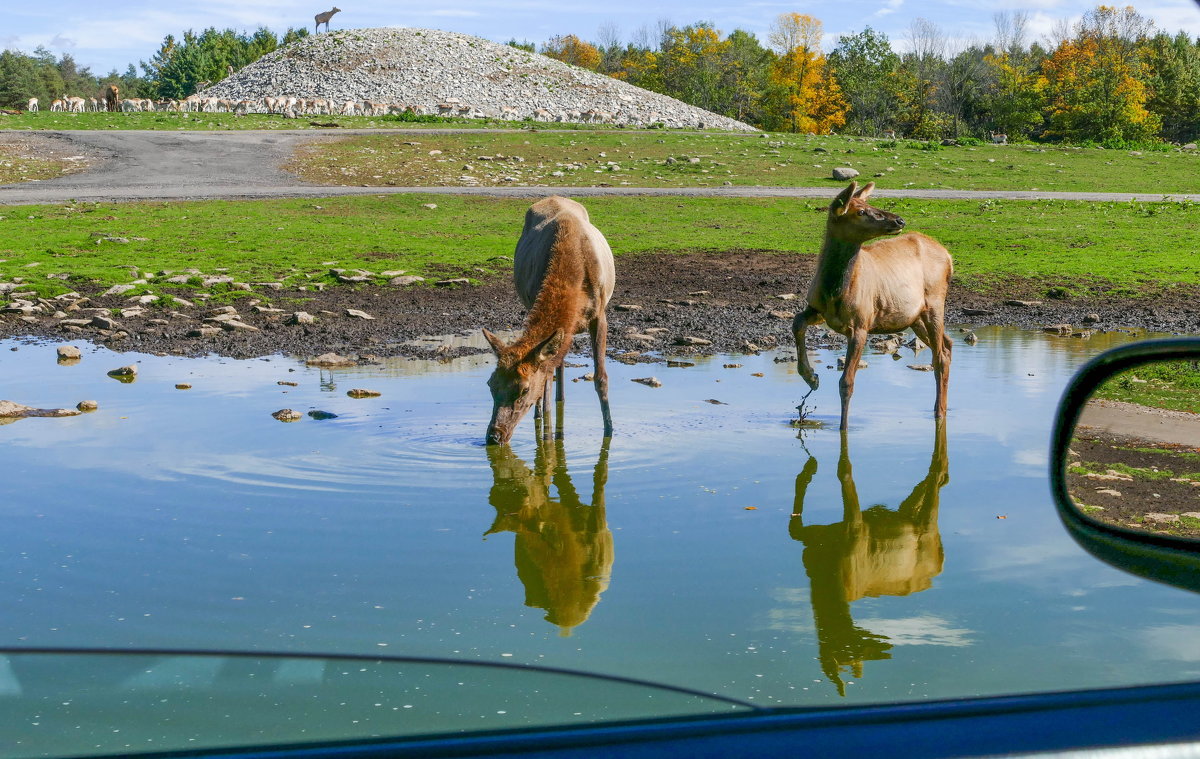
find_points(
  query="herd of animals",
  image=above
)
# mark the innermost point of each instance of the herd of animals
(565, 276)
(297, 106)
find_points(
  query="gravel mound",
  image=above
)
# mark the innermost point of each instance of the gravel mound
(428, 68)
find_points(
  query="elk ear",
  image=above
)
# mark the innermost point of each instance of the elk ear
(866, 191)
(547, 348)
(495, 342)
(838, 206)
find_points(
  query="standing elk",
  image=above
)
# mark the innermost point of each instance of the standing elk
(112, 98)
(323, 18)
(999, 139)
(32, 106)
(884, 287)
(564, 273)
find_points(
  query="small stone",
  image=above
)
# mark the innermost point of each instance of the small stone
(69, 353)
(627, 307)
(87, 406)
(103, 322)
(1023, 303)
(841, 363)
(452, 282)
(204, 332)
(843, 174)
(408, 279)
(124, 371)
(288, 384)
(679, 364)
(118, 290)
(302, 317)
(322, 415)
(287, 415)
(921, 367)
(1091, 318)
(731, 366)
(1162, 518)
(357, 314)
(331, 359)
(971, 338)
(1058, 329)
(648, 381)
(691, 340)
(182, 386)
(786, 315)
(430, 206)
(359, 392)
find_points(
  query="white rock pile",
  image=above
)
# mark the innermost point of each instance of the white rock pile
(433, 70)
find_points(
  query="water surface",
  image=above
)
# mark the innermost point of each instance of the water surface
(708, 546)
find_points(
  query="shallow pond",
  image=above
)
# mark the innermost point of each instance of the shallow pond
(709, 546)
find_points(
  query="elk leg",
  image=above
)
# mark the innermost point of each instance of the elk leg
(856, 341)
(598, 331)
(544, 402)
(940, 345)
(560, 394)
(800, 325)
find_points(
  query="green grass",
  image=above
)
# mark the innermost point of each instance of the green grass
(1173, 385)
(55, 120)
(641, 160)
(1085, 247)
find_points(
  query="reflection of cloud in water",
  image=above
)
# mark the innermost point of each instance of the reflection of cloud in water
(1173, 642)
(1032, 457)
(925, 630)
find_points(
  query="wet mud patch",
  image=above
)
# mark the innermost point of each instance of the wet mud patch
(665, 304)
(1136, 483)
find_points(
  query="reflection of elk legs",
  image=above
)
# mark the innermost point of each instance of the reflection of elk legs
(873, 553)
(563, 547)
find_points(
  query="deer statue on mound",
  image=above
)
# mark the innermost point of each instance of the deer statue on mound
(323, 18)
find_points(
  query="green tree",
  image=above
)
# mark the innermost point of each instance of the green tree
(1174, 83)
(863, 64)
(19, 80)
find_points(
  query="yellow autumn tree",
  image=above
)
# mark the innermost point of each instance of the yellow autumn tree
(570, 49)
(805, 96)
(1095, 82)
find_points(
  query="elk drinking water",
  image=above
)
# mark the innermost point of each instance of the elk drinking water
(887, 286)
(564, 273)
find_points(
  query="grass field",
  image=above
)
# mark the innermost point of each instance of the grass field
(1173, 385)
(666, 159)
(1119, 248)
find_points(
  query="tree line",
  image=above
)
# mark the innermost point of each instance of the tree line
(1111, 78)
(179, 67)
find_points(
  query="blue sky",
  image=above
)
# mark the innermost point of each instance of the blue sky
(118, 33)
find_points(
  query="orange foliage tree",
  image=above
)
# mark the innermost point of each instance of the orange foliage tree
(1096, 81)
(570, 49)
(806, 97)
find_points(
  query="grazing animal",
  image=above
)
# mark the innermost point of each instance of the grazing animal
(884, 287)
(323, 18)
(870, 553)
(999, 139)
(112, 98)
(57, 105)
(564, 273)
(889, 134)
(32, 106)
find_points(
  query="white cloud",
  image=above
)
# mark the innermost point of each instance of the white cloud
(889, 7)
(1173, 642)
(925, 630)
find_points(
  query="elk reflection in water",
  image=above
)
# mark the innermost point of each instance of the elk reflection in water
(563, 547)
(877, 552)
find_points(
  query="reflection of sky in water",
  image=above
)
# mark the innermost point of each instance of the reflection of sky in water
(193, 518)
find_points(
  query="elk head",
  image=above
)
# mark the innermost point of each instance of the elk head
(518, 381)
(853, 220)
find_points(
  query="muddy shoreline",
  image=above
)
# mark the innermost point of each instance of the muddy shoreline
(739, 301)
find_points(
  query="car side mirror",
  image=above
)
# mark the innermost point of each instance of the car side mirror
(1125, 459)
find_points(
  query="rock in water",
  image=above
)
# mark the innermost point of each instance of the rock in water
(287, 415)
(10, 410)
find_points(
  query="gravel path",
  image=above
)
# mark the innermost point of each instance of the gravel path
(159, 165)
(1142, 422)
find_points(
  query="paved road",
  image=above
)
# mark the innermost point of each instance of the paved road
(1142, 422)
(161, 165)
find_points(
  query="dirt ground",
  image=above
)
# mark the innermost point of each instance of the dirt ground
(731, 300)
(1115, 495)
